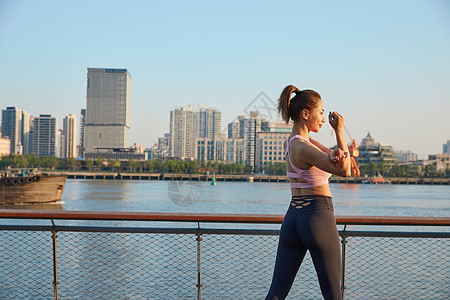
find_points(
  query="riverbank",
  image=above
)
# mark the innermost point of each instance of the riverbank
(245, 178)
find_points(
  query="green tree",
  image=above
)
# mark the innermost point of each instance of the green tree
(89, 164)
(71, 163)
(100, 161)
(132, 164)
(149, 165)
(114, 164)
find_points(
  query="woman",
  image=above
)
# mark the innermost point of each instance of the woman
(309, 223)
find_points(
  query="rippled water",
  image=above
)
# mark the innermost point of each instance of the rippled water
(245, 197)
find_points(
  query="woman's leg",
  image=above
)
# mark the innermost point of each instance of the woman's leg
(323, 244)
(290, 255)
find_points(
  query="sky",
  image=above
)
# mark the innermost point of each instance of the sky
(383, 65)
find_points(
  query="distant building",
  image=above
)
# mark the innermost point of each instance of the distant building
(44, 135)
(405, 156)
(441, 162)
(209, 122)
(82, 122)
(371, 152)
(270, 148)
(138, 148)
(59, 149)
(16, 127)
(108, 103)
(5, 146)
(187, 124)
(249, 127)
(69, 138)
(117, 154)
(233, 130)
(220, 148)
(446, 148)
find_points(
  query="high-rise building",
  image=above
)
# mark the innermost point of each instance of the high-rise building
(108, 103)
(446, 148)
(233, 130)
(44, 135)
(250, 127)
(82, 122)
(183, 122)
(69, 145)
(187, 124)
(209, 122)
(16, 128)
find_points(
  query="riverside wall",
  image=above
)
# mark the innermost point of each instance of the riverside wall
(246, 178)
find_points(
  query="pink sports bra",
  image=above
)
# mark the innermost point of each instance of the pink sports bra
(314, 176)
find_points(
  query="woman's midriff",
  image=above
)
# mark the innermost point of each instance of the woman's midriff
(323, 190)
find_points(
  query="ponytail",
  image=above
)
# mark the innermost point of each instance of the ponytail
(285, 101)
(290, 108)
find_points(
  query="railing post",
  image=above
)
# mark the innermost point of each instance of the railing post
(344, 242)
(199, 273)
(55, 262)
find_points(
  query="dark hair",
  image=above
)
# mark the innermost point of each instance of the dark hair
(291, 109)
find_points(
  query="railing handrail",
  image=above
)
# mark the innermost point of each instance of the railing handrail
(212, 218)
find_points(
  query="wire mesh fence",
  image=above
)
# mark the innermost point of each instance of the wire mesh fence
(170, 264)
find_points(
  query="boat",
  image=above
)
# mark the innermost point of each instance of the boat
(377, 180)
(30, 185)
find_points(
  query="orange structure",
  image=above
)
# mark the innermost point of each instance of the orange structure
(354, 152)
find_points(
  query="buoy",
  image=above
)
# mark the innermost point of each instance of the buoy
(213, 182)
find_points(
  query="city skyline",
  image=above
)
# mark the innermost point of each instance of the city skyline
(386, 77)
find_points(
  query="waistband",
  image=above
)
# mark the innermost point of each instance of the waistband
(311, 197)
(308, 202)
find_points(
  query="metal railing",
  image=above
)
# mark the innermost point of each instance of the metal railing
(208, 256)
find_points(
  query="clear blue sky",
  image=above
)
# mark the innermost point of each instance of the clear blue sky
(384, 65)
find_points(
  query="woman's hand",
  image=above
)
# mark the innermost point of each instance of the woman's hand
(338, 155)
(336, 120)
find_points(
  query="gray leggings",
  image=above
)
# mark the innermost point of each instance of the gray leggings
(309, 224)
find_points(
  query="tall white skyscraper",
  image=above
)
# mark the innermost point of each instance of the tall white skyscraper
(69, 141)
(16, 127)
(107, 109)
(187, 124)
(44, 135)
(183, 122)
(209, 122)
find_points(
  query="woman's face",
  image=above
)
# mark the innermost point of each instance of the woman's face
(316, 117)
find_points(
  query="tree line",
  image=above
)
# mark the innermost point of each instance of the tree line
(194, 167)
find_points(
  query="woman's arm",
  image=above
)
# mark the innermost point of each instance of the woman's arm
(320, 146)
(312, 156)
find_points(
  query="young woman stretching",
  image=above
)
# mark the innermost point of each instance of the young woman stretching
(309, 223)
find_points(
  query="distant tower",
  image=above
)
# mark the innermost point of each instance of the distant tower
(107, 109)
(16, 127)
(183, 129)
(82, 122)
(44, 135)
(209, 122)
(249, 127)
(446, 148)
(69, 146)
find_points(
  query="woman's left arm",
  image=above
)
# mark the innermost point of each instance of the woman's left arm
(320, 146)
